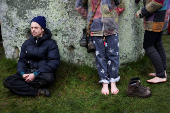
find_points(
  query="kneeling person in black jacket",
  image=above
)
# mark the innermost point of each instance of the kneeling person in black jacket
(38, 62)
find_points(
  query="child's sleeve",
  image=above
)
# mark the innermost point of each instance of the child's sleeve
(80, 7)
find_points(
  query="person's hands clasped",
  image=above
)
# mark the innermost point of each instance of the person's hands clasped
(29, 77)
(25, 76)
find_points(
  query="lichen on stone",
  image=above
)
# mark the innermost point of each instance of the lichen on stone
(66, 26)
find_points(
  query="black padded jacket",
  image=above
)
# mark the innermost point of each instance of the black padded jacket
(41, 55)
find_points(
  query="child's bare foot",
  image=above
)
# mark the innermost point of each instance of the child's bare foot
(157, 80)
(105, 89)
(114, 89)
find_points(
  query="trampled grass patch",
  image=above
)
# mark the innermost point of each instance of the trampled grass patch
(76, 90)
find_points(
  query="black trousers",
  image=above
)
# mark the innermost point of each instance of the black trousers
(153, 46)
(151, 38)
(16, 84)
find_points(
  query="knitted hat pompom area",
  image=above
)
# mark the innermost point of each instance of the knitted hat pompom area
(40, 20)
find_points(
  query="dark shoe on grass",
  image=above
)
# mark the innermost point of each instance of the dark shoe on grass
(44, 92)
(138, 79)
(134, 90)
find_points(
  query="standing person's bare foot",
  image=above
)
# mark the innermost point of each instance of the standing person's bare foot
(114, 89)
(105, 89)
(157, 80)
(154, 74)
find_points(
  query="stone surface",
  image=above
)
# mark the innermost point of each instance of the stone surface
(66, 26)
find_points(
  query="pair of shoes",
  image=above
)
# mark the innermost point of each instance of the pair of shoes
(90, 45)
(135, 89)
(87, 42)
(44, 92)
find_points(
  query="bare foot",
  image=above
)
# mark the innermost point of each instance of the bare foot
(105, 89)
(154, 74)
(114, 89)
(157, 80)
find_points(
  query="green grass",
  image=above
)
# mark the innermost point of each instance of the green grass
(76, 90)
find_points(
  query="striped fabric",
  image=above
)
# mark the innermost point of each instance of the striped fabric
(105, 21)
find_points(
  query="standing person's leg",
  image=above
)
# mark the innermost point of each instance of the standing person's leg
(112, 53)
(149, 41)
(18, 85)
(160, 49)
(101, 63)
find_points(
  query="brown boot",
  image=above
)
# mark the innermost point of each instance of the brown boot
(83, 41)
(138, 79)
(91, 47)
(134, 90)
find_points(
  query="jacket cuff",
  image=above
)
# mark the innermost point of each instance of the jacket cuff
(36, 73)
(21, 73)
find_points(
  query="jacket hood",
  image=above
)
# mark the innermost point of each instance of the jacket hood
(46, 36)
